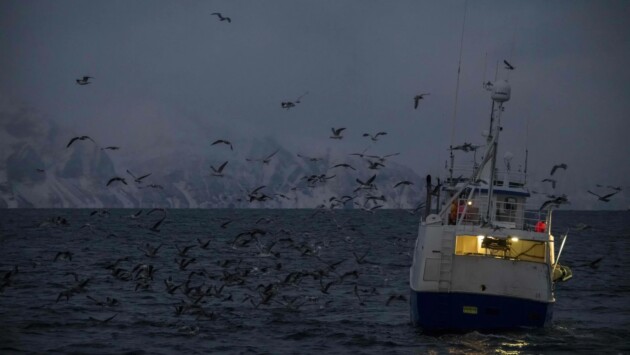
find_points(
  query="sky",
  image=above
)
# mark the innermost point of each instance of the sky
(169, 75)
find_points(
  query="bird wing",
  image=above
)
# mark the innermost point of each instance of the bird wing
(222, 166)
(257, 189)
(370, 180)
(592, 193)
(609, 195)
(143, 176)
(72, 141)
(272, 154)
(129, 172)
(112, 180)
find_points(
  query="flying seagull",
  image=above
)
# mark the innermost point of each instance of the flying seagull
(287, 104)
(375, 136)
(556, 201)
(265, 160)
(417, 99)
(221, 17)
(552, 181)
(218, 171)
(313, 159)
(81, 138)
(110, 148)
(405, 182)
(112, 180)
(337, 133)
(343, 165)
(84, 80)
(138, 179)
(224, 142)
(605, 198)
(508, 66)
(558, 166)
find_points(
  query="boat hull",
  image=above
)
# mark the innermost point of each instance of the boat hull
(452, 311)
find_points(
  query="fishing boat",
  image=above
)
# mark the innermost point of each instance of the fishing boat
(484, 259)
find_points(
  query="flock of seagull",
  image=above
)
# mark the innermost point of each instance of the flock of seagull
(372, 161)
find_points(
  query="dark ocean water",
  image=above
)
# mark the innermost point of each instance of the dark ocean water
(295, 282)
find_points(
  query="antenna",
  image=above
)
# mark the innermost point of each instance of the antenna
(459, 69)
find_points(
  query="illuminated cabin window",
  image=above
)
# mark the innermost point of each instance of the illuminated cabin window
(509, 248)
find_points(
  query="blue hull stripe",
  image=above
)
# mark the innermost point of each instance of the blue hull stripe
(439, 311)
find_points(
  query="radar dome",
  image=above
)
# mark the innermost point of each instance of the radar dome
(501, 91)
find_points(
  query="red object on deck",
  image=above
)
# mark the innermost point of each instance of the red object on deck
(540, 227)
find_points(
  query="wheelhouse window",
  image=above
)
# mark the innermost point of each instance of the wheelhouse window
(511, 248)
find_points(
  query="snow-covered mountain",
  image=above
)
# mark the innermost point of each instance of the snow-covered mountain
(38, 170)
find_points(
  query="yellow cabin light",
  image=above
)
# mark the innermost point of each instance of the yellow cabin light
(514, 239)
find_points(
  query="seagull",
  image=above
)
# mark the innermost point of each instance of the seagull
(111, 148)
(466, 147)
(157, 224)
(343, 165)
(337, 133)
(219, 171)
(287, 104)
(552, 181)
(405, 182)
(224, 142)
(417, 99)
(116, 178)
(264, 160)
(374, 137)
(150, 251)
(81, 138)
(374, 165)
(84, 80)
(508, 66)
(556, 201)
(368, 182)
(382, 159)
(605, 198)
(558, 166)
(221, 17)
(309, 158)
(137, 179)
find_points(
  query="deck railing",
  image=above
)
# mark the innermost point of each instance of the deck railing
(511, 215)
(501, 177)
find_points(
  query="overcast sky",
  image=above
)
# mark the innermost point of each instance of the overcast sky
(168, 74)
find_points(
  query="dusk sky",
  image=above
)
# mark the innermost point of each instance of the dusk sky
(168, 75)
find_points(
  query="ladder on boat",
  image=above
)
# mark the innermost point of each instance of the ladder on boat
(447, 250)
